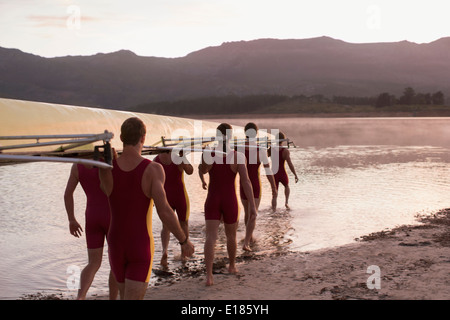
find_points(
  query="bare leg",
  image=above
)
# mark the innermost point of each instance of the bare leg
(113, 287)
(212, 228)
(230, 232)
(121, 286)
(185, 226)
(88, 273)
(165, 237)
(250, 224)
(274, 201)
(287, 191)
(134, 290)
(245, 205)
(246, 245)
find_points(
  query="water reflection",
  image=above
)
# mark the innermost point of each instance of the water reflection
(354, 190)
(351, 184)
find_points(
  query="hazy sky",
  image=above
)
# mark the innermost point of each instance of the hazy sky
(174, 28)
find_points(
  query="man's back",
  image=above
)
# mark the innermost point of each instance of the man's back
(130, 235)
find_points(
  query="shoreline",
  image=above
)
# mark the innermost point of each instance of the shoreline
(414, 264)
(413, 260)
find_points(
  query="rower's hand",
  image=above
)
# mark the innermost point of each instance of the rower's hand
(75, 228)
(187, 249)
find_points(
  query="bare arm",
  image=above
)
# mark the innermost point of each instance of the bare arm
(268, 171)
(186, 166)
(204, 167)
(106, 180)
(245, 181)
(74, 227)
(287, 156)
(202, 178)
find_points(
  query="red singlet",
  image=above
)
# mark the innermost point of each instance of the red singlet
(281, 175)
(130, 235)
(175, 189)
(221, 199)
(98, 214)
(253, 172)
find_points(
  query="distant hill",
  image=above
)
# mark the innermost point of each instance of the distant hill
(322, 65)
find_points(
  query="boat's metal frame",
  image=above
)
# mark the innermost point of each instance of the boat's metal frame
(60, 154)
(67, 142)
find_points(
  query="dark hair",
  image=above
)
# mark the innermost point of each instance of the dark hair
(250, 130)
(280, 135)
(225, 129)
(132, 130)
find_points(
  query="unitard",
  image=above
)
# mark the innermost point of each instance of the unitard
(97, 213)
(253, 164)
(175, 189)
(130, 239)
(221, 201)
(281, 174)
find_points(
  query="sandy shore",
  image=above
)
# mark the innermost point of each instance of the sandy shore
(413, 262)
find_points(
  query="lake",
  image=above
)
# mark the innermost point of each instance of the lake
(357, 176)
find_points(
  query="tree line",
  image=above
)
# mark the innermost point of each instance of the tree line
(410, 97)
(385, 99)
(234, 104)
(230, 104)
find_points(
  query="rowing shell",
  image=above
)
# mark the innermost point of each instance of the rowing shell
(27, 119)
(20, 118)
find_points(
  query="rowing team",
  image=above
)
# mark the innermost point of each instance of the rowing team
(121, 209)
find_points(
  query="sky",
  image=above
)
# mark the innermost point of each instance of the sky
(175, 28)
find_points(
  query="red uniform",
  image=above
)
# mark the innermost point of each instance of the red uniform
(175, 189)
(221, 200)
(253, 164)
(130, 239)
(98, 214)
(281, 174)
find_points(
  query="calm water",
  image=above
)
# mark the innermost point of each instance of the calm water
(356, 176)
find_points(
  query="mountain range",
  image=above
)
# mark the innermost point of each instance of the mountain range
(326, 66)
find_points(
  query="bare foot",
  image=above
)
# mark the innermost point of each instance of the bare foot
(232, 269)
(209, 280)
(164, 262)
(181, 258)
(287, 207)
(247, 244)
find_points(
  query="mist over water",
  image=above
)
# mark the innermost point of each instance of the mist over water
(356, 176)
(362, 175)
(330, 132)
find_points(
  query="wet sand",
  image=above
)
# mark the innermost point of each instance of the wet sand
(414, 263)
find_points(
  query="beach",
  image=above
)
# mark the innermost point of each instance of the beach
(352, 184)
(413, 262)
(409, 262)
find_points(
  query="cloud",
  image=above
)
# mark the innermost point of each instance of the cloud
(45, 21)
